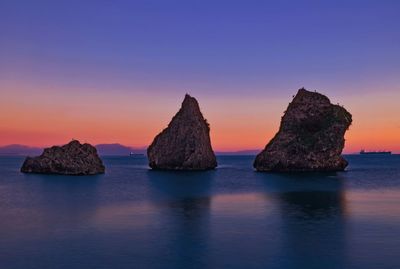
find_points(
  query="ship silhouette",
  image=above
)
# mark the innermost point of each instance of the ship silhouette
(376, 152)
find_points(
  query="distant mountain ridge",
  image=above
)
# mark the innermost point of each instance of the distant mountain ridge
(103, 149)
(239, 152)
(16, 149)
(118, 149)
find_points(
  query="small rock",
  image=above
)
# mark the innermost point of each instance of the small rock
(73, 158)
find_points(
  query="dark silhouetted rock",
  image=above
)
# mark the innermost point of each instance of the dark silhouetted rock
(310, 138)
(73, 158)
(185, 143)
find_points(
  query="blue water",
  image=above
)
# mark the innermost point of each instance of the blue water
(232, 217)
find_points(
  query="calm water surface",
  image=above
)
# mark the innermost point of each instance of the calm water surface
(232, 217)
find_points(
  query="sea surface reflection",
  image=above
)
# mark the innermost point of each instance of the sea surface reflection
(232, 217)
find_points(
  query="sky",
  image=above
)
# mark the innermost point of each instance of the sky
(117, 71)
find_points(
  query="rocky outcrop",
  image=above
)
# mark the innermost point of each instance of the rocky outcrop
(185, 143)
(73, 158)
(310, 137)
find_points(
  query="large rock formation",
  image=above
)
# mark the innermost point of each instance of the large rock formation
(310, 138)
(73, 158)
(185, 143)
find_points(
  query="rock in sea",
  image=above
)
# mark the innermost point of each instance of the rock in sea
(73, 158)
(310, 137)
(185, 144)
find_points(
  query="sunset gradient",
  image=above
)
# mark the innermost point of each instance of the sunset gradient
(118, 71)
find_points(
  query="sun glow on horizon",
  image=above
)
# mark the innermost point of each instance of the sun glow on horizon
(49, 117)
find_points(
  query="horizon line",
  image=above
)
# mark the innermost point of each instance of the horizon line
(144, 147)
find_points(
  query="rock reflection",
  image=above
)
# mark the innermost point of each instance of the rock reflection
(187, 198)
(50, 203)
(312, 205)
(312, 211)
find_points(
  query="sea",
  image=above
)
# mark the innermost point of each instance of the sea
(231, 217)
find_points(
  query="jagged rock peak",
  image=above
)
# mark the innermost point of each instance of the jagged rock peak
(190, 101)
(73, 158)
(310, 137)
(185, 144)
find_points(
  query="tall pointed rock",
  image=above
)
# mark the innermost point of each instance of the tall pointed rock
(185, 144)
(310, 138)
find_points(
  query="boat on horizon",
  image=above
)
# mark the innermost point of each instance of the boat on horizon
(375, 152)
(132, 154)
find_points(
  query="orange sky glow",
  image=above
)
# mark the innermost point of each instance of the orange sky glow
(48, 116)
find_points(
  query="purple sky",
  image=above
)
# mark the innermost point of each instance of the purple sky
(228, 51)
